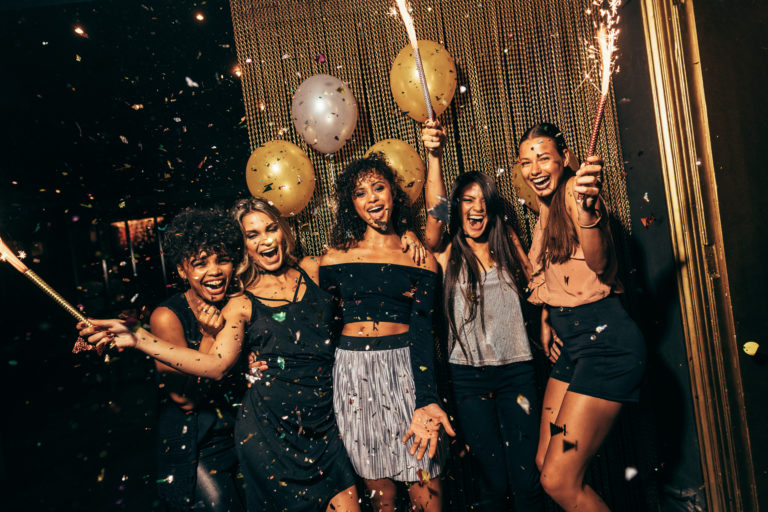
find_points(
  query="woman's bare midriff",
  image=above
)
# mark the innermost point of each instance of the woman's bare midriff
(373, 329)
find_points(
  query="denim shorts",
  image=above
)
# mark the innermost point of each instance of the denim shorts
(603, 351)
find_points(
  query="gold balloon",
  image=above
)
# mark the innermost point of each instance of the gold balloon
(405, 161)
(440, 72)
(281, 173)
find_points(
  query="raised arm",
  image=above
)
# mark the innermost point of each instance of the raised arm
(589, 215)
(214, 365)
(433, 136)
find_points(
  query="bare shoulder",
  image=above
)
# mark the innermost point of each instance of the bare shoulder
(311, 265)
(333, 257)
(166, 325)
(163, 318)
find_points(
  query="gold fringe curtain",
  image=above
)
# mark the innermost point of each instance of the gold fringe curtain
(520, 62)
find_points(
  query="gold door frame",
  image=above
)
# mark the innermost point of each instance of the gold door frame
(702, 279)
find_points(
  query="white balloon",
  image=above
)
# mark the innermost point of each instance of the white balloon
(324, 112)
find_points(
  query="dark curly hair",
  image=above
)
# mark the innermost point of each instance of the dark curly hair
(195, 229)
(348, 228)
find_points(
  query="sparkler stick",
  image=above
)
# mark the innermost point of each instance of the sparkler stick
(411, 30)
(7, 255)
(606, 50)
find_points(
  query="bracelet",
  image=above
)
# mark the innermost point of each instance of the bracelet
(594, 224)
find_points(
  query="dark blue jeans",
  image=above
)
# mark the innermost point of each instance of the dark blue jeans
(502, 436)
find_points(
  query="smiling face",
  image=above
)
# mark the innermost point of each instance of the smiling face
(542, 165)
(208, 275)
(373, 200)
(474, 215)
(264, 241)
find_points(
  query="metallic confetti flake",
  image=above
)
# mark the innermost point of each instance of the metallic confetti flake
(630, 473)
(281, 362)
(600, 328)
(751, 347)
(524, 403)
(279, 317)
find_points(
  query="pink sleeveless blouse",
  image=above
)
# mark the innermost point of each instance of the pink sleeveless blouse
(571, 283)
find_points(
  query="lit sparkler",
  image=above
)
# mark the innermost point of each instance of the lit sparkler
(606, 37)
(411, 30)
(7, 255)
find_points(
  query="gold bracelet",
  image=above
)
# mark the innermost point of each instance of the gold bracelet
(594, 224)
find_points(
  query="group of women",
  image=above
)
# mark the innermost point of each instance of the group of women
(345, 371)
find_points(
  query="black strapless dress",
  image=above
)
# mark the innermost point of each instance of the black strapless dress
(288, 443)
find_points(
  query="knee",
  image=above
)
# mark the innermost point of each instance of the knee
(559, 487)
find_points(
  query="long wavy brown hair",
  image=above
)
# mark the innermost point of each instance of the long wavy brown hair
(247, 271)
(560, 237)
(463, 260)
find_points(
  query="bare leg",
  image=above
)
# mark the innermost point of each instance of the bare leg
(550, 408)
(585, 422)
(345, 501)
(383, 493)
(426, 497)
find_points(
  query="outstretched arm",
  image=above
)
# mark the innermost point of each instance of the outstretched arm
(215, 365)
(433, 136)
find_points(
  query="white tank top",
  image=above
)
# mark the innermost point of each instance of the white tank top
(504, 340)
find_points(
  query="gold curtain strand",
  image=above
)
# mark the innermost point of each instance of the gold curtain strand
(521, 62)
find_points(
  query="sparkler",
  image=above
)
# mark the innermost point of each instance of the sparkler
(606, 37)
(7, 255)
(411, 30)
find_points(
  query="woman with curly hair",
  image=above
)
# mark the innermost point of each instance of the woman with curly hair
(196, 457)
(287, 439)
(384, 385)
(602, 359)
(485, 269)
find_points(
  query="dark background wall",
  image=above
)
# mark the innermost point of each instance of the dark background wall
(734, 58)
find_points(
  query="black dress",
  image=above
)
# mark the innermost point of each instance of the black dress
(196, 459)
(288, 443)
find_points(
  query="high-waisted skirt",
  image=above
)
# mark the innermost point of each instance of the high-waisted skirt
(374, 400)
(603, 351)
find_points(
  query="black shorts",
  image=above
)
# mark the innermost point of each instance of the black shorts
(603, 350)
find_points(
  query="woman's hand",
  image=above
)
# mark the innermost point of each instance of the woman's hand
(102, 332)
(433, 135)
(210, 319)
(409, 241)
(425, 430)
(588, 182)
(255, 367)
(551, 344)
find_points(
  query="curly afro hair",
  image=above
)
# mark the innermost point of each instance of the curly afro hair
(348, 228)
(194, 230)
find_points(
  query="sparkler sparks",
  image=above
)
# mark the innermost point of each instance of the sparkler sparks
(605, 54)
(411, 30)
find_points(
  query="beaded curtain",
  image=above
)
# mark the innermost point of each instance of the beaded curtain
(518, 62)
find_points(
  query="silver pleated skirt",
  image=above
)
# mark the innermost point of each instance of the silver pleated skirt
(374, 400)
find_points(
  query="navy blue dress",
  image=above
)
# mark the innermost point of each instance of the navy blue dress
(288, 443)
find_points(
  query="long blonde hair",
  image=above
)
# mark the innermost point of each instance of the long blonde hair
(247, 271)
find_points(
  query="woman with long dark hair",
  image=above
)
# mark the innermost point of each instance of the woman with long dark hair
(602, 359)
(384, 385)
(287, 439)
(485, 270)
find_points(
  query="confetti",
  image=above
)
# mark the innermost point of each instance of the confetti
(630, 473)
(279, 316)
(320, 58)
(751, 347)
(647, 221)
(646, 198)
(600, 328)
(524, 404)
(281, 362)
(190, 82)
